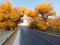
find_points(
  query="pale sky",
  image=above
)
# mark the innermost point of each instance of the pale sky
(30, 4)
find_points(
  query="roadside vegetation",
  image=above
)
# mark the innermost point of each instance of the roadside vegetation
(10, 16)
(39, 18)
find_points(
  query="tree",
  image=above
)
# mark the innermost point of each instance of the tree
(40, 16)
(44, 10)
(56, 23)
(9, 16)
(31, 13)
(22, 11)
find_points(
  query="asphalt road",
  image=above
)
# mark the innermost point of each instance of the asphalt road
(32, 37)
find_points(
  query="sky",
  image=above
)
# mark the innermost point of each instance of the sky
(30, 4)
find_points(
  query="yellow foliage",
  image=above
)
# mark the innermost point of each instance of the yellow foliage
(8, 15)
(50, 21)
(52, 13)
(11, 23)
(22, 11)
(14, 14)
(56, 23)
(42, 25)
(31, 13)
(1, 17)
(44, 8)
(6, 6)
(3, 24)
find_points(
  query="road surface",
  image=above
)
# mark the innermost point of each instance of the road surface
(32, 37)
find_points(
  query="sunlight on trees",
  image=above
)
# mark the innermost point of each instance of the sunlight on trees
(56, 23)
(45, 10)
(10, 16)
(31, 13)
(22, 11)
(40, 18)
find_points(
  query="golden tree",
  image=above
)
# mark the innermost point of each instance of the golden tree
(14, 14)
(45, 10)
(56, 23)
(40, 15)
(31, 13)
(9, 16)
(22, 11)
(42, 25)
